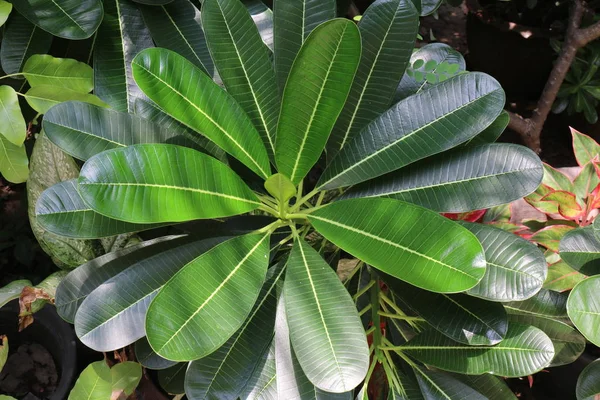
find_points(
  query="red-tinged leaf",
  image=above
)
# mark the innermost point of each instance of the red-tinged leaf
(586, 149)
(502, 213)
(594, 198)
(471, 216)
(585, 182)
(546, 207)
(550, 236)
(567, 204)
(561, 277)
(509, 227)
(554, 180)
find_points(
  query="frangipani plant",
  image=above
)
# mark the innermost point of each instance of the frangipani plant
(251, 307)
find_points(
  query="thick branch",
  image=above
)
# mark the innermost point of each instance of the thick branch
(530, 129)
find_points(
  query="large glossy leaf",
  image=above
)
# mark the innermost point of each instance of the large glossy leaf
(155, 183)
(14, 165)
(69, 19)
(43, 69)
(405, 241)
(588, 383)
(94, 383)
(112, 316)
(244, 64)
(43, 97)
(568, 343)
(263, 382)
(460, 317)
(545, 303)
(314, 95)
(388, 30)
(440, 53)
(49, 166)
(583, 307)
(224, 373)
(61, 210)
(516, 268)
(21, 40)
(440, 385)
(122, 35)
(13, 127)
(492, 387)
(492, 132)
(212, 294)
(325, 330)
(461, 180)
(148, 358)
(427, 123)
(177, 26)
(293, 21)
(580, 248)
(524, 351)
(5, 9)
(203, 106)
(84, 130)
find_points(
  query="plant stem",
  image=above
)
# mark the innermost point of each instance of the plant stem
(320, 199)
(11, 75)
(303, 200)
(297, 216)
(376, 320)
(363, 290)
(269, 209)
(401, 317)
(272, 227)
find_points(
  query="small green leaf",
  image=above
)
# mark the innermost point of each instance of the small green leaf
(418, 63)
(125, 378)
(95, 382)
(280, 187)
(41, 98)
(5, 9)
(588, 383)
(13, 125)
(584, 308)
(3, 351)
(43, 69)
(14, 165)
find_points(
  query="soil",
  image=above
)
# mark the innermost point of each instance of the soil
(30, 369)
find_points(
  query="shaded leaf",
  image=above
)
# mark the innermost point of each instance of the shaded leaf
(172, 379)
(588, 383)
(440, 385)
(580, 248)
(545, 303)
(492, 132)
(21, 40)
(148, 357)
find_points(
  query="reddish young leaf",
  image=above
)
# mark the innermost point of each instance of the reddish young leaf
(566, 202)
(549, 237)
(561, 277)
(471, 216)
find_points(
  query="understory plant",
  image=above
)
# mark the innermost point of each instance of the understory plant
(277, 169)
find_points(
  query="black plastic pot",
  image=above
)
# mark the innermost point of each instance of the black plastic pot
(51, 332)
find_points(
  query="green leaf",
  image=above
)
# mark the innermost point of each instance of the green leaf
(440, 385)
(12, 291)
(21, 40)
(80, 282)
(244, 64)
(318, 85)
(165, 77)
(428, 7)
(112, 316)
(84, 130)
(122, 35)
(583, 308)
(14, 165)
(585, 148)
(280, 187)
(43, 69)
(545, 303)
(588, 382)
(492, 387)
(524, 351)
(562, 277)
(49, 166)
(42, 98)
(153, 2)
(69, 19)
(325, 331)
(161, 183)
(427, 123)
(5, 9)
(439, 52)
(148, 358)
(172, 379)
(263, 382)
(125, 378)
(585, 182)
(3, 351)
(293, 21)
(388, 30)
(461, 180)
(213, 294)
(94, 383)
(460, 317)
(13, 126)
(408, 242)
(556, 179)
(516, 268)
(492, 132)
(61, 210)
(580, 248)
(177, 26)
(568, 343)
(225, 373)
